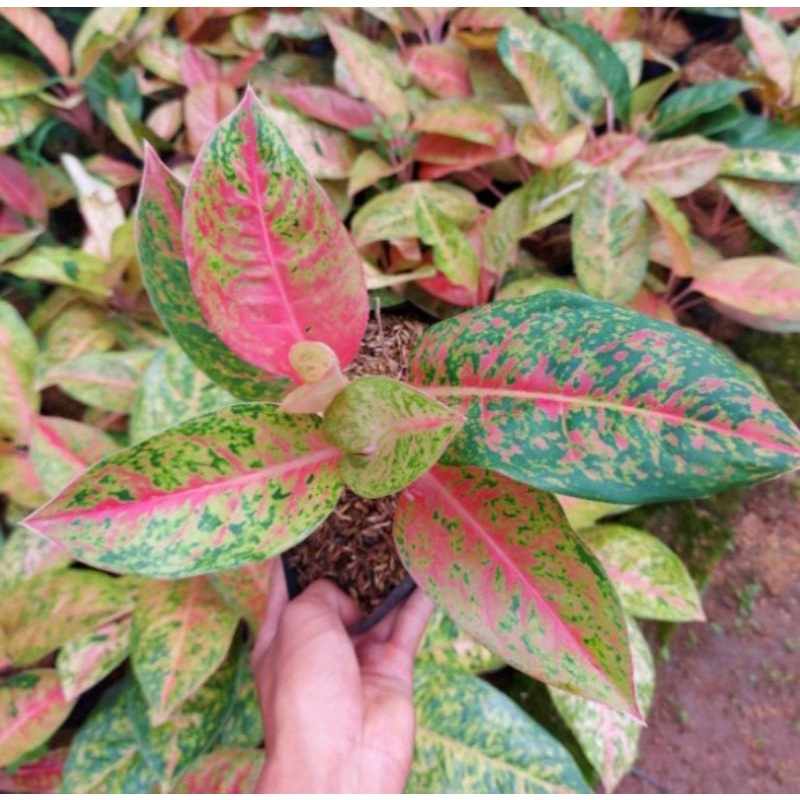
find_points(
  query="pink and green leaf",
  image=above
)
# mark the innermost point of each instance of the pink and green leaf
(584, 398)
(182, 631)
(24, 554)
(675, 229)
(389, 433)
(470, 120)
(441, 69)
(245, 590)
(228, 770)
(32, 707)
(329, 105)
(166, 276)
(19, 400)
(445, 645)
(270, 262)
(650, 580)
(42, 776)
(773, 50)
(761, 165)
(502, 561)
(216, 492)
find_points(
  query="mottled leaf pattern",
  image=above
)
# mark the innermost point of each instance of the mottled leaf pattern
(18, 397)
(609, 238)
(444, 644)
(246, 590)
(269, 259)
(471, 738)
(166, 276)
(587, 399)
(24, 554)
(388, 432)
(228, 770)
(40, 776)
(470, 120)
(610, 740)
(32, 707)
(173, 390)
(502, 561)
(773, 51)
(182, 631)
(675, 229)
(650, 580)
(761, 165)
(215, 492)
(53, 607)
(84, 661)
(63, 266)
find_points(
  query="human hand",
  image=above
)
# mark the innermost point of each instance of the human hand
(338, 710)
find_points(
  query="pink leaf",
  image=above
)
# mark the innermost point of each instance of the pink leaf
(330, 106)
(198, 67)
(38, 28)
(42, 776)
(204, 106)
(225, 771)
(18, 191)
(441, 69)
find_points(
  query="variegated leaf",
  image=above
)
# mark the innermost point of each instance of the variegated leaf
(678, 166)
(447, 646)
(19, 77)
(610, 740)
(543, 89)
(79, 329)
(38, 28)
(53, 607)
(215, 492)
(676, 230)
(680, 108)
(393, 216)
(470, 120)
(772, 48)
(172, 389)
(441, 69)
(459, 749)
(609, 238)
(227, 770)
(61, 449)
(270, 261)
(585, 513)
(84, 661)
(761, 165)
(762, 292)
(243, 725)
(773, 209)
(650, 580)
(367, 170)
(246, 590)
(388, 432)
(18, 190)
(19, 482)
(547, 152)
(182, 631)
(501, 559)
(32, 707)
(19, 400)
(19, 117)
(204, 107)
(100, 31)
(63, 266)
(166, 276)
(584, 398)
(329, 105)
(41, 776)
(24, 554)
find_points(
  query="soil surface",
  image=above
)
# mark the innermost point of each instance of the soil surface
(726, 714)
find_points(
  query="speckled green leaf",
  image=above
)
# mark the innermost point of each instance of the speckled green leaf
(675, 231)
(53, 607)
(228, 770)
(172, 390)
(762, 165)
(245, 590)
(19, 118)
(243, 725)
(465, 119)
(543, 90)
(762, 292)
(773, 209)
(108, 381)
(99, 32)
(84, 661)
(610, 740)
(166, 276)
(24, 554)
(19, 400)
(584, 398)
(470, 738)
(182, 631)
(448, 646)
(32, 707)
(216, 492)
(609, 238)
(502, 561)
(19, 77)
(578, 79)
(61, 449)
(63, 266)
(650, 580)
(389, 433)
(679, 109)
(270, 261)
(393, 215)
(771, 46)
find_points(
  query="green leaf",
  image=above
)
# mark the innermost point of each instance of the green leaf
(24, 554)
(109, 381)
(63, 266)
(393, 215)
(32, 707)
(646, 96)
(650, 580)
(166, 277)
(61, 449)
(609, 238)
(19, 400)
(228, 770)
(773, 209)
(500, 558)
(388, 432)
(15, 244)
(172, 390)
(19, 77)
(751, 131)
(607, 65)
(215, 492)
(447, 646)
(762, 165)
(243, 725)
(182, 631)
(84, 661)
(459, 749)
(681, 108)
(584, 398)
(610, 740)
(41, 614)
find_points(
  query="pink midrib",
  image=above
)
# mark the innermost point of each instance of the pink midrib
(53, 694)
(484, 392)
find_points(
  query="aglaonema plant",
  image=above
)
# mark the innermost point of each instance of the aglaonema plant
(257, 279)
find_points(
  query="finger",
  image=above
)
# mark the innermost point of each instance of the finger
(380, 633)
(328, 598)
(277, 599)
(411, 621)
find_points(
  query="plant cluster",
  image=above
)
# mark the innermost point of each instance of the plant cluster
(180, 437)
